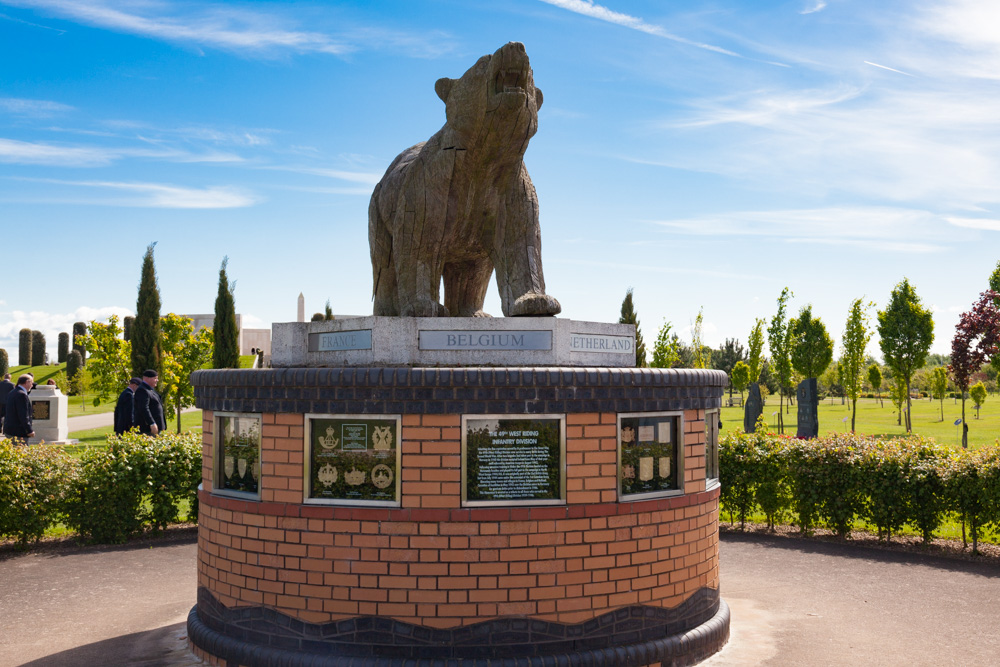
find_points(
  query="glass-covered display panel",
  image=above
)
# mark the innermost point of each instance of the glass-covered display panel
(237, 458)
(650, 459)
(513, 461)
(352, 459)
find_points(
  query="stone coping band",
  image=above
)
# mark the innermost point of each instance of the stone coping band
(477, 514)
(629, 636)
(470, 390)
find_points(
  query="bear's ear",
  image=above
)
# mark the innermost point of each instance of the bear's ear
(443, 88)
(538, 98)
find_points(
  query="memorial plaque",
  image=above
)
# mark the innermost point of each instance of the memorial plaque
(339, 341)
(41, 410)
(485, 340)
(513, 461)
(579, 342)
(352, 459)
(237, 453)
(650, 454)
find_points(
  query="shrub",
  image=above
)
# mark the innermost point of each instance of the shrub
(33, 481)
(24, 347)
(37, 348)
(973, 487)
(63, 349)
(74, 363)
(79, 331)
(4, 362)
(127, 323)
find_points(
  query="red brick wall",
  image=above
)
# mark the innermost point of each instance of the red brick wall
(435, 563)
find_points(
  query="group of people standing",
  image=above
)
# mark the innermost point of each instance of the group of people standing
(138, 406)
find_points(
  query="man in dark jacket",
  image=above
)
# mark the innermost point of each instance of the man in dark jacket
(17, 420)
(147, 408)
(5, 388)
(123, 409)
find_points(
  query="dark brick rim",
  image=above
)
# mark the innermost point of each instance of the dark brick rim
(472, 390)
(683, 641)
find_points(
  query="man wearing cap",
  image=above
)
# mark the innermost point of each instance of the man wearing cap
(17, 420)
(147, 409)
(123, 408)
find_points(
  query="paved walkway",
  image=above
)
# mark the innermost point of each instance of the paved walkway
(87, 422)
(793, 602)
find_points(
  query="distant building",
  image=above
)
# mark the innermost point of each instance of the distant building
(250, 341)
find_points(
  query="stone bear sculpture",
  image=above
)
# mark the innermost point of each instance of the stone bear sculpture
(461, 204)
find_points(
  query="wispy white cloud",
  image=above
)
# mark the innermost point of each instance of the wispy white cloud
(25, 152)
(873, 228)
(891, 69)
(601, 13)
(976, 223)
(151, 195)
(815, 6)
(368, 178)
(37, 108)
(213, 26)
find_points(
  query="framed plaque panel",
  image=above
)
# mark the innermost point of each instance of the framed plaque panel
(650, 454)
(352, 459)
(513, 461)
(41, 410)
(237, 454)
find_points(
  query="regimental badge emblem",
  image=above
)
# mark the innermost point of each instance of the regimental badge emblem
(355, 477)
(628, 472)
(329, 441)
(382, 439)
(628, 435)
(381, 476)
(664, 467)
(327, 475)
(241, 465)
(229, 466)
(646, 468)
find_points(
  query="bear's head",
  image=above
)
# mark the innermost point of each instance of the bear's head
(494, 106)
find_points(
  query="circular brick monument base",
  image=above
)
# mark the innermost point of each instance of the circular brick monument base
(595, 576)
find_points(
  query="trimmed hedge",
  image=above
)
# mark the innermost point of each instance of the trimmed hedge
(837, 479)
(107, 495)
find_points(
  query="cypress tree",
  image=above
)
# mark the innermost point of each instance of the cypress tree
(226, 353)
(79, 331)
(74, 362)
(24, 347)
(37, 348)
(127, 327)
(63, 347)
(4, 362)
(146, 329)
(328, 313)
(629, 317)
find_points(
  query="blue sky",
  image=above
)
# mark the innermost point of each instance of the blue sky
(706, 154)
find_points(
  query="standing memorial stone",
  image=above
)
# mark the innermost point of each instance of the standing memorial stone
(753, 408)
(808, 398)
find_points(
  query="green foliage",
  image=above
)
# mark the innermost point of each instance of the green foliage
(145, 338)
(666, 349)
(875, 377)
(317, 317)
(906, 331)
(32, 484)
(977, 393)
(110, 359)
(628, 316)
(857, 334)
(811, 345)
(779, 341)
(837, 480)
(127, 323)
(63, 349)
(184, 352)
(4, 362)
(702, 355)
(37, 348)
(740, 377)
(226, 353)
(756, 343)
(74, 365)
(939, 385)
(133, 482)
(24, 347)
(328, 311)
(79, 331)
(62, 382)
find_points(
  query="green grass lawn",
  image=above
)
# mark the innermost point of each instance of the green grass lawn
(874, 419)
